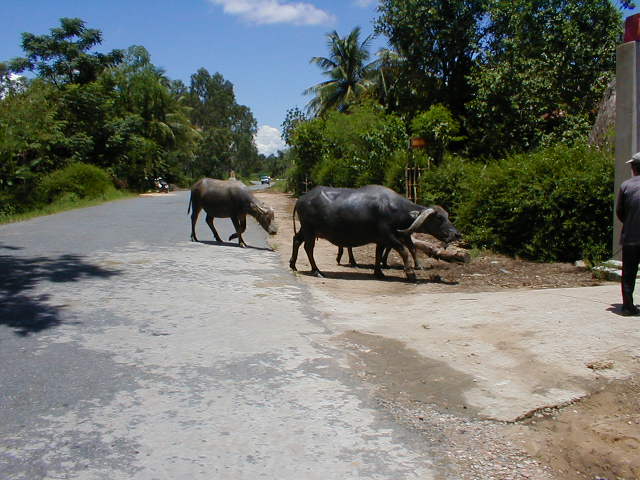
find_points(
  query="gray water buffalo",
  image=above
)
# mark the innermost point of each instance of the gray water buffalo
(228, 199)
(373, 214)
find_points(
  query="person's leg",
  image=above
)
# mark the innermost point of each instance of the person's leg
(630, 259)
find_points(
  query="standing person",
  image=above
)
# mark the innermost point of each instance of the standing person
(628, 212)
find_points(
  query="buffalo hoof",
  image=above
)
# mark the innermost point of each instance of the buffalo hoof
(378, 274)
(293, 267)
(317, 273)
(411, 277)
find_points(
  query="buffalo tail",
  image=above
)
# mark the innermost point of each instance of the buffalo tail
(295, 208)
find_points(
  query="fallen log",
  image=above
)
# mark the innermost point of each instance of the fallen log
(449, 254)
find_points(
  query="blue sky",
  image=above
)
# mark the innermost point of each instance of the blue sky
(262, 46)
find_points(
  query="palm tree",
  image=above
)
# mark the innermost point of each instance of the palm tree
(348, 72)
(386, 77)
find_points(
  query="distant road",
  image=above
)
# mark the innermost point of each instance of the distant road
(129, 352)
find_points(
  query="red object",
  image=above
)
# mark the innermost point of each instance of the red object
(632, 28)
(418, 142)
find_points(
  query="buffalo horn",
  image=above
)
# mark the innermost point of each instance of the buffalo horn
(418, 221)
(260, 208)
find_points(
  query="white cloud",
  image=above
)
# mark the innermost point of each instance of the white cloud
(268, 140)
(276, 11)
(363, 3)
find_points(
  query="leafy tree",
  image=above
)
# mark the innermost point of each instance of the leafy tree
(227, 128)
(151, 132)
(9, 82)
(307, 146)
(437, 41)
(292, 119)
(348, 72)
(276, 164)
(63, 56)
(346, 150)
(543, 72)
(31, 137)
(388, 87)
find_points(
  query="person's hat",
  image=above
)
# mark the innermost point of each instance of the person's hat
(634, 159)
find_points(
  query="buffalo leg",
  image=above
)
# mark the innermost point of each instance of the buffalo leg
(309, 244)
(297, 241)
(408, 242)
(352, 260)
(209, 221)
(399, 247)
(194, 218)
(408, 271)
(240, 225)
(385, 257)
(377, 271)
(412, 250)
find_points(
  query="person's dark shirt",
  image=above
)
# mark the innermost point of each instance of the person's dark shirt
(628, 211)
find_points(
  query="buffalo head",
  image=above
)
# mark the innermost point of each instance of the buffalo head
(434, 221)
(266, 218)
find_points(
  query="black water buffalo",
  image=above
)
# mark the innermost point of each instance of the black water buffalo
(408, 242)
(373, 214)
(228, 199)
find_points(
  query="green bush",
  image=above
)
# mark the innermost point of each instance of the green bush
(394, 174)
(76, 181)
(446, 186)
(552, 205)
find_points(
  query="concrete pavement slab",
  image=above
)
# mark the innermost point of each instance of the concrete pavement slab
(524, 349)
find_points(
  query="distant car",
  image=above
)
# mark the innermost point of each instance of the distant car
(265, 179)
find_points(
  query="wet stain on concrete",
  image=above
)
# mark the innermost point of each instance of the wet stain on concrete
(398, 371)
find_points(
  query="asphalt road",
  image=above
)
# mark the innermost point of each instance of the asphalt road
(129, 352)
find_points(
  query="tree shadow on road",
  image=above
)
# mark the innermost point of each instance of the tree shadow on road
(27, 311)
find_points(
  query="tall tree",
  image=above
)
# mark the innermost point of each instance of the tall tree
(63, 56)
(31, 137)
(348, 72)
(293, 118)
(438, 41)
(542, 72)
(227, 128)
(388, 86)
(152, 124)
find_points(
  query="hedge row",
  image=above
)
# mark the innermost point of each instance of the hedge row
(552, 205)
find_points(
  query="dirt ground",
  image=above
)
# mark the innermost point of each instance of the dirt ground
(596, 437)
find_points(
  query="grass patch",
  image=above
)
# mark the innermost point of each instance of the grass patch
(66, 202)
(279, 186)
